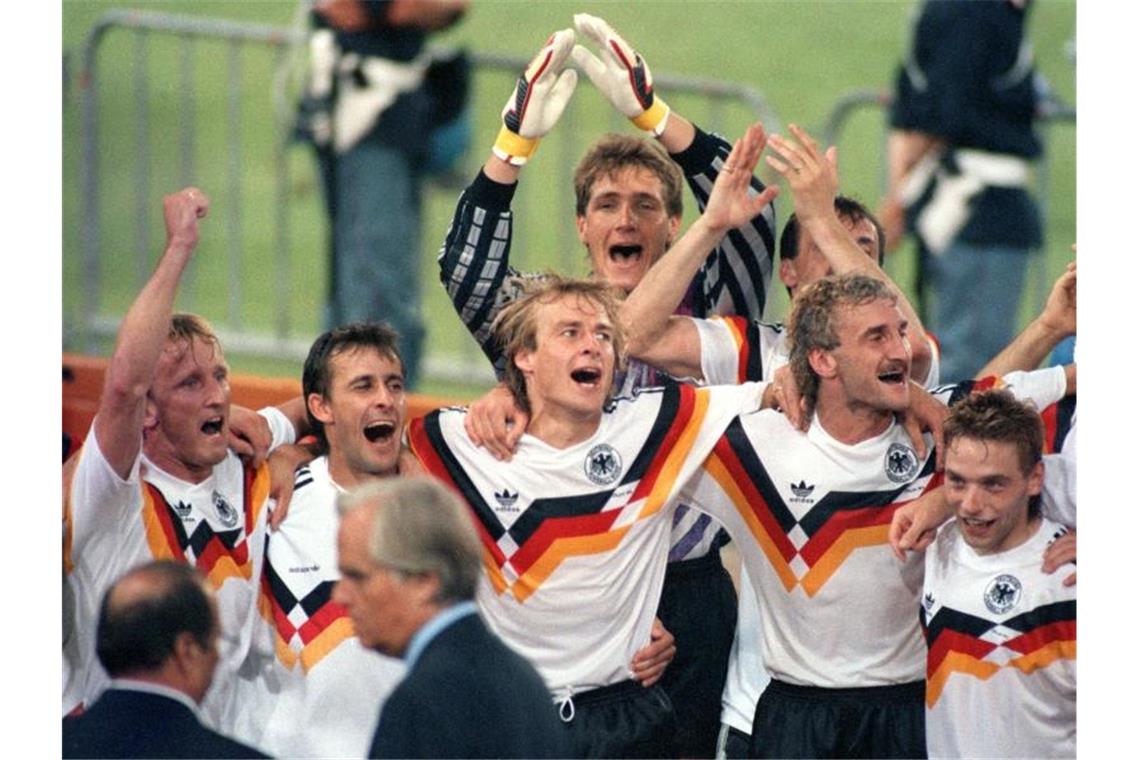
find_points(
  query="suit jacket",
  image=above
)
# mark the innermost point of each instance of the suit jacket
(127, 723)
(469, 695)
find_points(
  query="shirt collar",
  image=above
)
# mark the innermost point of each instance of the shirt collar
(149, 687)
(433, 628)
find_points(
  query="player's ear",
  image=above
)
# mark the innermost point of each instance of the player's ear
(823, 363)
(150, 415)
(319, 407)
(580, 223)
(1036, 479)
(788, 274)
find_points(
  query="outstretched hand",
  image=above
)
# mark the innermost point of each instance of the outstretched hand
(539, 98)
(812, 175)
(731, 202)
(620, 73)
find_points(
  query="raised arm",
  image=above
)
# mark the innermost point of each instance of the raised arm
(143, 334)
(474, 261)
(1057, 320)
(734, 277)
(813, 176)
(654, 335)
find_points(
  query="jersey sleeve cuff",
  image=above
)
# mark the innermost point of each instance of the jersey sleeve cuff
(700, 154)
(489, 194)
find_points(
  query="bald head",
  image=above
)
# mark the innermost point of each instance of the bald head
(146, 612)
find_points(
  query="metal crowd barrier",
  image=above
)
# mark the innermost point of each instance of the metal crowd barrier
(285, 327)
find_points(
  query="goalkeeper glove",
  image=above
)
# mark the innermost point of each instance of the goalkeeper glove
(540, 96)
(621, 74)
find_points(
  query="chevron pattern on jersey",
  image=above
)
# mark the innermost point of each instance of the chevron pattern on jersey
(219, 555)
(837, 525)
(305, 629)
(553, 529)
(958, 642)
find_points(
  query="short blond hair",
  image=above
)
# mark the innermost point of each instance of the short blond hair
(516, 327)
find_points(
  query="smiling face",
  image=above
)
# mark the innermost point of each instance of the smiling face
(990, 492)
(872, 360)
(571, 370)
(363, 413)
(188, 409)
(626, 226)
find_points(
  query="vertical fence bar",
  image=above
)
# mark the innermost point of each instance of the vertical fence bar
(234, 195)
(142, 160)
(189, 285)
(281, 222)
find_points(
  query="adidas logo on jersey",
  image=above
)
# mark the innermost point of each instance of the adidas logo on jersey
(507, 500)
(802, 491)
(182, 509)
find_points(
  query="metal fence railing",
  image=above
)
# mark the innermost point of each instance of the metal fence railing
(184, 100)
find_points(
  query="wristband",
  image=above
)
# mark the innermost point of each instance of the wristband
(654, 118)
(513, 148)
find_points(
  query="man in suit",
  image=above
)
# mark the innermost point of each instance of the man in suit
(410, 561)
(158, 640)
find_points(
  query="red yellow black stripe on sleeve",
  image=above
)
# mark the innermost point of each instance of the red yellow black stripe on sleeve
(1058, 419)
(955, 643)
(836, 526)
(326, 623)
(219, 555)
(554, 529)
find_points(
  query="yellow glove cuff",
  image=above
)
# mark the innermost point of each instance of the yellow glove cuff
(512, 148)
(654, 118)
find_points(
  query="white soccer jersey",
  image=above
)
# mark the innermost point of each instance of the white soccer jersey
(1002, 661)
(810, 516)
(218, 525)
(575, 539)
(319, 692)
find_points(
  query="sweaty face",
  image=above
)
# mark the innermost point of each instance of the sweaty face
(189, 409)
(363, 414)
(873, 356)
(572, 369)
(626, 227)
(990, 494)
(385, 609)
(811, 265)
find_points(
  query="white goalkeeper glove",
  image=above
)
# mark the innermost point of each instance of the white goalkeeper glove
(621, 74)
(540, 97)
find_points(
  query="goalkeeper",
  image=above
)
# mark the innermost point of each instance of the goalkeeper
(628, 206)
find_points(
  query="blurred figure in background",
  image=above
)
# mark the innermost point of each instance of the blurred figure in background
(958, 168)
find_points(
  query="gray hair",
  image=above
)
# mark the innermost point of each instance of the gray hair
(421, 528)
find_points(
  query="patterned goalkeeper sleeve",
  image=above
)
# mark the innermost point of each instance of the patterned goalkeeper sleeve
(474, 259)
(734, 279)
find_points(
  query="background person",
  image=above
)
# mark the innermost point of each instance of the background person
(158, 640)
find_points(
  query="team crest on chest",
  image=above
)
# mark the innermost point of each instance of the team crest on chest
(901, 463)
(227, 514)
(603, 465)
(1002, 594)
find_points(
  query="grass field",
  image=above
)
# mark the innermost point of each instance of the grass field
(800, 56)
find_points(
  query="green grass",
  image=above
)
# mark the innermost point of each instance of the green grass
(800, 55)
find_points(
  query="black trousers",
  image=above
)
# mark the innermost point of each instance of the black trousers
(806, 721)
(698, 606)
(622, 720)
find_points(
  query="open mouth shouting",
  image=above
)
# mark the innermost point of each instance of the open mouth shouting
(381, 431)
(589, 377)
(975, 527)
(214, 426)
(625, 254)
(894, 374)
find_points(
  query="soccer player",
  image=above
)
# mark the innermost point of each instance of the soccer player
(155, 479)
(575, 529)
(628, 194)
(1001, 632)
